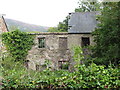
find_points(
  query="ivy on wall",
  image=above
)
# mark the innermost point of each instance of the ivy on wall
(17, 44)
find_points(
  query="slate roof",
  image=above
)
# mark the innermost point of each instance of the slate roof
(82, 22)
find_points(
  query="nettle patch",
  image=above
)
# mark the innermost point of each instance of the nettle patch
(17, 44)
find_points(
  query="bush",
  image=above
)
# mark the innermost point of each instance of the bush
(17, 44)
(92, 76)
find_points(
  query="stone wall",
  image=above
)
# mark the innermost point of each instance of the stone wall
(52, 51)
(3, 26)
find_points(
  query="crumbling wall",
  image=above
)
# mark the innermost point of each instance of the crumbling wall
(52, 51)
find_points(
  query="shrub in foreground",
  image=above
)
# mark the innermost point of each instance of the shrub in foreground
(92, 76)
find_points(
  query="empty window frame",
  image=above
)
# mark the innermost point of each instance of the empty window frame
(62, 42)
(41, 42)
(85, 41)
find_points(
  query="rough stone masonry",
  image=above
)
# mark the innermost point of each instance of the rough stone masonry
(57, 49)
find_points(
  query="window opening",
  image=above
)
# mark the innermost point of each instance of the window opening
(37, 67)
(85, 41)
(63, 42)
(41, 42)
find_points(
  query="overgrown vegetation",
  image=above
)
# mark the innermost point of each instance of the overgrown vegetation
(91, 76)
(17, 43)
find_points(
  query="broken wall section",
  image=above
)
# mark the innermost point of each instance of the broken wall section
(57, 49)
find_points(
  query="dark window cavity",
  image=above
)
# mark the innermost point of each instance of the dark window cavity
(85, 41)
(37, 67)
(41, 42)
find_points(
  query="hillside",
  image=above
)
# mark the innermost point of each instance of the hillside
(12, 24)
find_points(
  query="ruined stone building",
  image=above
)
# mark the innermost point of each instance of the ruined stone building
(56, 47)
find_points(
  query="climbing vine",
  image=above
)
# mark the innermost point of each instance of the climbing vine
(17, 44)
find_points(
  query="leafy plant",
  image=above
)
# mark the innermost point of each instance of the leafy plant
(17, 43)
(90, 76)
(107, 48)
(88, 5)
(78, 55)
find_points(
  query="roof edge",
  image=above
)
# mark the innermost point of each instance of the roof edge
(57, 33)
(81, 33)
(49, 33)
(5, 24)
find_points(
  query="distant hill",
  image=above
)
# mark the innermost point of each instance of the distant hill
(12, 24)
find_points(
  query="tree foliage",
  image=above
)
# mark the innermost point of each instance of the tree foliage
(61, 27)
(17, 43)
(85, 6)
(107, 35)
(53, 29)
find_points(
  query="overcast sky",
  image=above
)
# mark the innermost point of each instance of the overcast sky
(40, 12)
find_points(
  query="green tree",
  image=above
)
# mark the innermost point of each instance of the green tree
(53, 29)
(107, 35)
(85, 6)
(61, 27)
